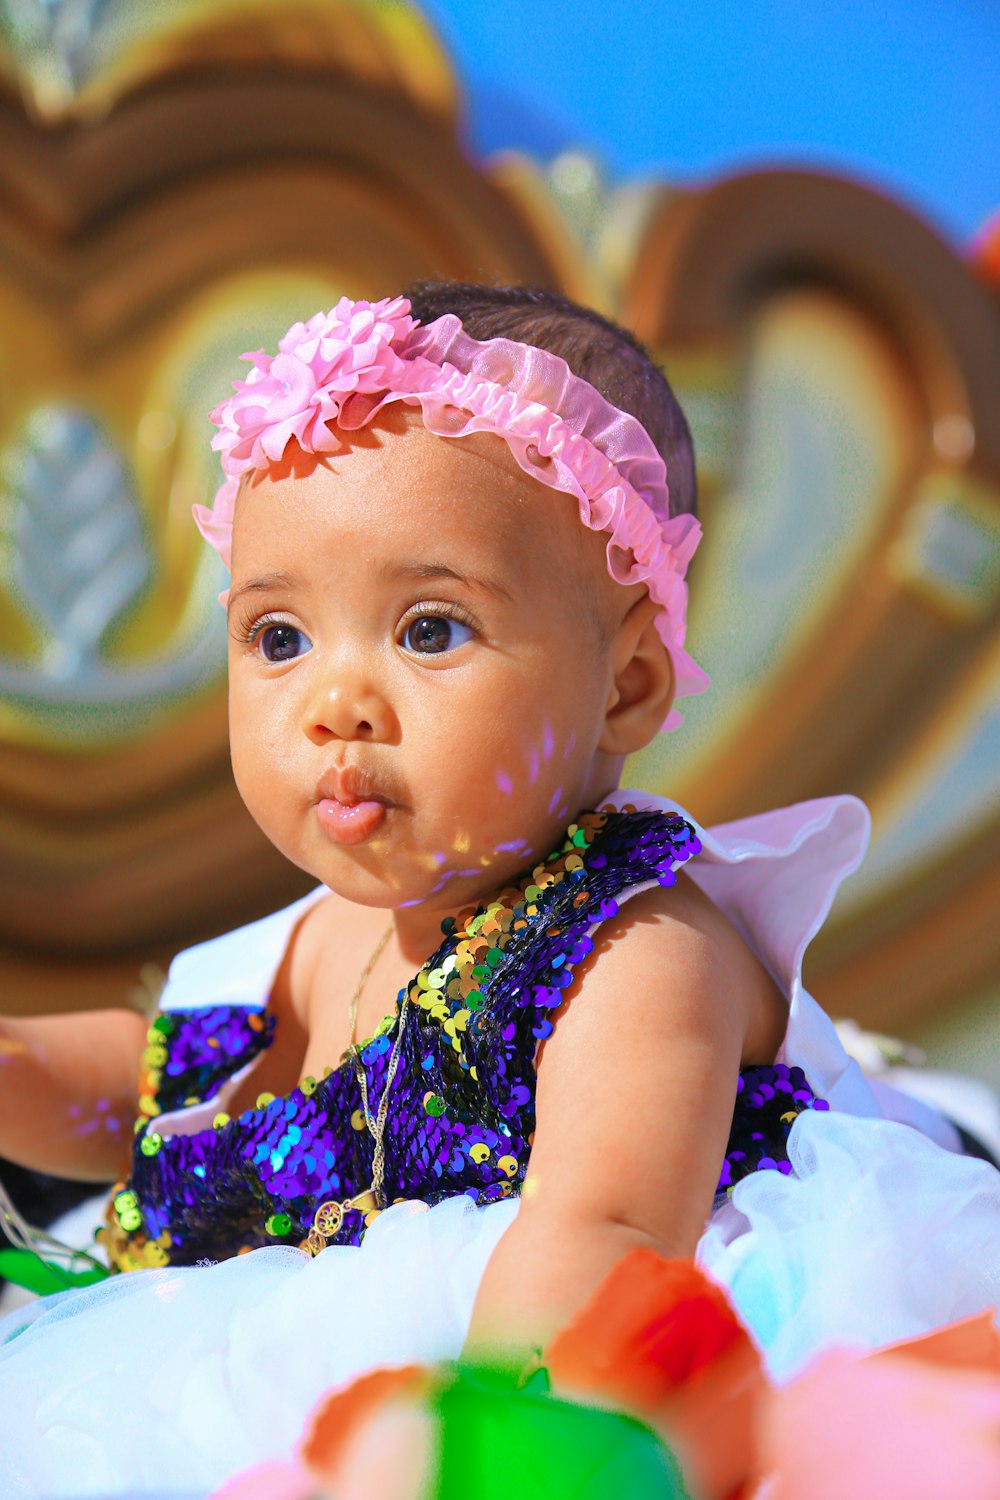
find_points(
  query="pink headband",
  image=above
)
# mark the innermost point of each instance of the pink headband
(339, 369)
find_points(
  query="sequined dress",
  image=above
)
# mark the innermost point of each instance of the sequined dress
(210, 1353)
(462, 1103)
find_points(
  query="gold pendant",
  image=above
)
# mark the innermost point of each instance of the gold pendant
(328, 1219)
(365, 1202)
(330, 1215)
(313, 1243)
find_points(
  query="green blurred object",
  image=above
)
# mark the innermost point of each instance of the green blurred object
(40, 1276)
(498, 1441)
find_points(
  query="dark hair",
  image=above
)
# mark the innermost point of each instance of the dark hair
(609, 357)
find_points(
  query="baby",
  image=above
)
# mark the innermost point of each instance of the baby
(431, 674)
(458, 525)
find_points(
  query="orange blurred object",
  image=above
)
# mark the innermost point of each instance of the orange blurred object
(660, 1340)
(338, 1419)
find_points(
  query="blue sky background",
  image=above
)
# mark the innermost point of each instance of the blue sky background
(904, 93)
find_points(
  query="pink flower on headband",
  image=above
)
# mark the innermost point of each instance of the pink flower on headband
(298, 393)
(335, 373)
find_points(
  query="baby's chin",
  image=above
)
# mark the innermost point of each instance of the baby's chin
(427, 885)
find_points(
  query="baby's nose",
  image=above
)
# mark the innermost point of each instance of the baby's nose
(346, 706)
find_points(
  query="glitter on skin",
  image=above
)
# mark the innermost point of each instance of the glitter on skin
(555, 799)
(439, 886)
(548, 740)
(504, 783)
(434, 861)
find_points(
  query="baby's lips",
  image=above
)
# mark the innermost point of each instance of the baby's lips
(351, 823)
(349, 785)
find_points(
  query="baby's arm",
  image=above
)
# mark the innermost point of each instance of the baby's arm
(634, 1102)
(69, 1090)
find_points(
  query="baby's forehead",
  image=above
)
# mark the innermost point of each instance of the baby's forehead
(401, 498)
(394, 480)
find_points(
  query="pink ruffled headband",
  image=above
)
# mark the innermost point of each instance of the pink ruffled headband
(337, 371)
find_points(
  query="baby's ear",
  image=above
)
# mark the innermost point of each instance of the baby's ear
(643, 685)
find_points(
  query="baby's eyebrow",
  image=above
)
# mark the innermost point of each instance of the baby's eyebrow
(262, 585)
(488, 585)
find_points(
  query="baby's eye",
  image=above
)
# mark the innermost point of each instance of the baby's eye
(283, 643)
(431, 634)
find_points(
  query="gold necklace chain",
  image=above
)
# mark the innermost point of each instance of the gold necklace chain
(377, 1127)
(330, 1215)
(356, 997)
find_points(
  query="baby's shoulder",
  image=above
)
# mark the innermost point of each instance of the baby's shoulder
(678, 944)
(682, 918)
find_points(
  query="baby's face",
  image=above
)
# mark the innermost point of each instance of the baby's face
(412, 624)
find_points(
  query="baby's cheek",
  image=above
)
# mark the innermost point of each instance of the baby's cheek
(247, 775)
(256, 762)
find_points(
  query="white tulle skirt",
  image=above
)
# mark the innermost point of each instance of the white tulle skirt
(167, 1382)
(877, 1235)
